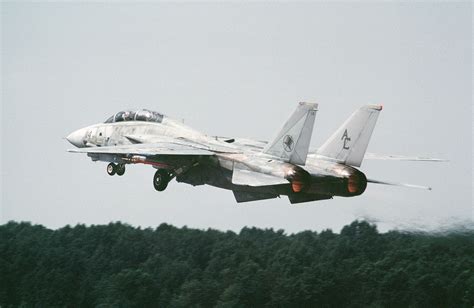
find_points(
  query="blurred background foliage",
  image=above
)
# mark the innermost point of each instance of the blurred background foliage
(123, 266)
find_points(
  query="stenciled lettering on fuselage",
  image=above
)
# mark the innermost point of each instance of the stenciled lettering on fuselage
(288, 143)
(346, 138)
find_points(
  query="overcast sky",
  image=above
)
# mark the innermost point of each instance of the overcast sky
(235, 70)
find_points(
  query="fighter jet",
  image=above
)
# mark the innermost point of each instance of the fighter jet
(253, 170)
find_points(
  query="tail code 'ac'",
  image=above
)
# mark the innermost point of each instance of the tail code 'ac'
(349, 143)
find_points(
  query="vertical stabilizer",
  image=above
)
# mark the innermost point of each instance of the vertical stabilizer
(349, 143)
(292, 142)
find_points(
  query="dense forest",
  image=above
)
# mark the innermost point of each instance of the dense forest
(122, 266)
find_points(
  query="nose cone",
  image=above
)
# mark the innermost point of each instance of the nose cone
(76, 138)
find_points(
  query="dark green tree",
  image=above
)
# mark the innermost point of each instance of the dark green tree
(117, 265)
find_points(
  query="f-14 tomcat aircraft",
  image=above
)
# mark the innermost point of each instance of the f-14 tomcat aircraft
(253, 170)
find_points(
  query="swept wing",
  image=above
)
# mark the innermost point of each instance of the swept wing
(149, 149)
(160, 145)
(402, 158)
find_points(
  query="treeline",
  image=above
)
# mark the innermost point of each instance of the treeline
(117, 265)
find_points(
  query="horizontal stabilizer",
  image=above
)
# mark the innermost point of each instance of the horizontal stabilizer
(302, 197)
(398, 184)
(244, 196)
(402, 158)
(244, 176)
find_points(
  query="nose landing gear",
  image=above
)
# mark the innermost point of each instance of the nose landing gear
(161, 179)
(113, 169)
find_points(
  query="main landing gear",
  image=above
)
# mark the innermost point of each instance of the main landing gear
(161, 179)
(113, 169)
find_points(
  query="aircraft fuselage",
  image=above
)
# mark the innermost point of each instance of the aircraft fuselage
(317, 179)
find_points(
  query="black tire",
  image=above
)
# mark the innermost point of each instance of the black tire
(120, 169)
(111, 169)
(161, 179)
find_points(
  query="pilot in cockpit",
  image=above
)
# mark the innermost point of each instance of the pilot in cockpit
(140, 115)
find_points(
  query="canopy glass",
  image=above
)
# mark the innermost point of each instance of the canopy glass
(140, 115)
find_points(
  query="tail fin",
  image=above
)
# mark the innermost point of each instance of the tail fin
(349, 143)
(292, 142)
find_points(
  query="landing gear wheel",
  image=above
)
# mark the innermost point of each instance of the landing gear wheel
(120, 169)
(161, 179)
(111, 168)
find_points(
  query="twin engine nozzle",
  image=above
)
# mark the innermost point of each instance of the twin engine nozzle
(322, 177)
(299, 178)
(334, 180)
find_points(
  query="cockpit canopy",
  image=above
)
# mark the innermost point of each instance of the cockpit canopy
(140, 115)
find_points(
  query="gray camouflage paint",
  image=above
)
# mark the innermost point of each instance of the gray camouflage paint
(242, 166)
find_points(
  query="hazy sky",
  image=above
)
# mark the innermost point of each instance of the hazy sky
(235, 70)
